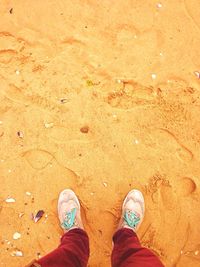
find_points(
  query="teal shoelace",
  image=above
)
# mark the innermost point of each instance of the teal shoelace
(69, 220)
(131, 218)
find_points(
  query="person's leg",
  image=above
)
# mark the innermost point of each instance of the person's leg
(74, 248)
(127, 251)
(73, 251)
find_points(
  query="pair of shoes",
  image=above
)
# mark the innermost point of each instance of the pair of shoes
(69, 212)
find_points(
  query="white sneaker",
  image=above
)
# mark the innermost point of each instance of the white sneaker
(132, 211)
(69, 210)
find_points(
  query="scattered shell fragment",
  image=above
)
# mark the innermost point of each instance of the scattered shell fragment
(10, 200)
(20, 134)
(17, 253)
(63, 100)
(48, 125)
(38, 216)
(16, 236)
(196, 252)
(136, 141)
(28, 193)
(105, 184)
(153, 76)
(17, 72)
(159, 5)
(197, 73)
(21, 214)
(38, 255)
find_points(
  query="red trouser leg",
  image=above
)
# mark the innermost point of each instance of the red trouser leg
(128, 252)
(73, 251)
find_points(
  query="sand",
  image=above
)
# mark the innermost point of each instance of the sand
(101, 97)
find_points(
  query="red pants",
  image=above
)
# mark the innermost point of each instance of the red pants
(74, 251)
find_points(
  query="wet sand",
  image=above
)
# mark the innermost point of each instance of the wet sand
(100, 97)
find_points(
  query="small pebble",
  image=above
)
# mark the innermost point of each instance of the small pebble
(136, 141)
(153, 76)
(38, 255)
(105, 184)
(10, 200)
(49, 125)
(159, 5)
(196, 252)
(63, 100)
(1, 133)
(84, 129)
(21, 214)
(16, 236)
(20, 134)
(17, 72)
(17, 253)
(197, 74)
(28, 193)
(119, 81)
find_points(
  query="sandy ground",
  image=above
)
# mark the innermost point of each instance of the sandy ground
(101, 97)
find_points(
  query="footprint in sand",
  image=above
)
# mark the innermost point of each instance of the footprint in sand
(20, 95)
(186, 187)
(6, 55)
(181, 150)
(9, 46)
(168, 197)
(132, 94)
(161, 191)
(37, 158)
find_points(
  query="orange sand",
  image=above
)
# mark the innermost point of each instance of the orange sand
(143, 129)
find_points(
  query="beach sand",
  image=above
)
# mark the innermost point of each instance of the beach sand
(100, 97)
